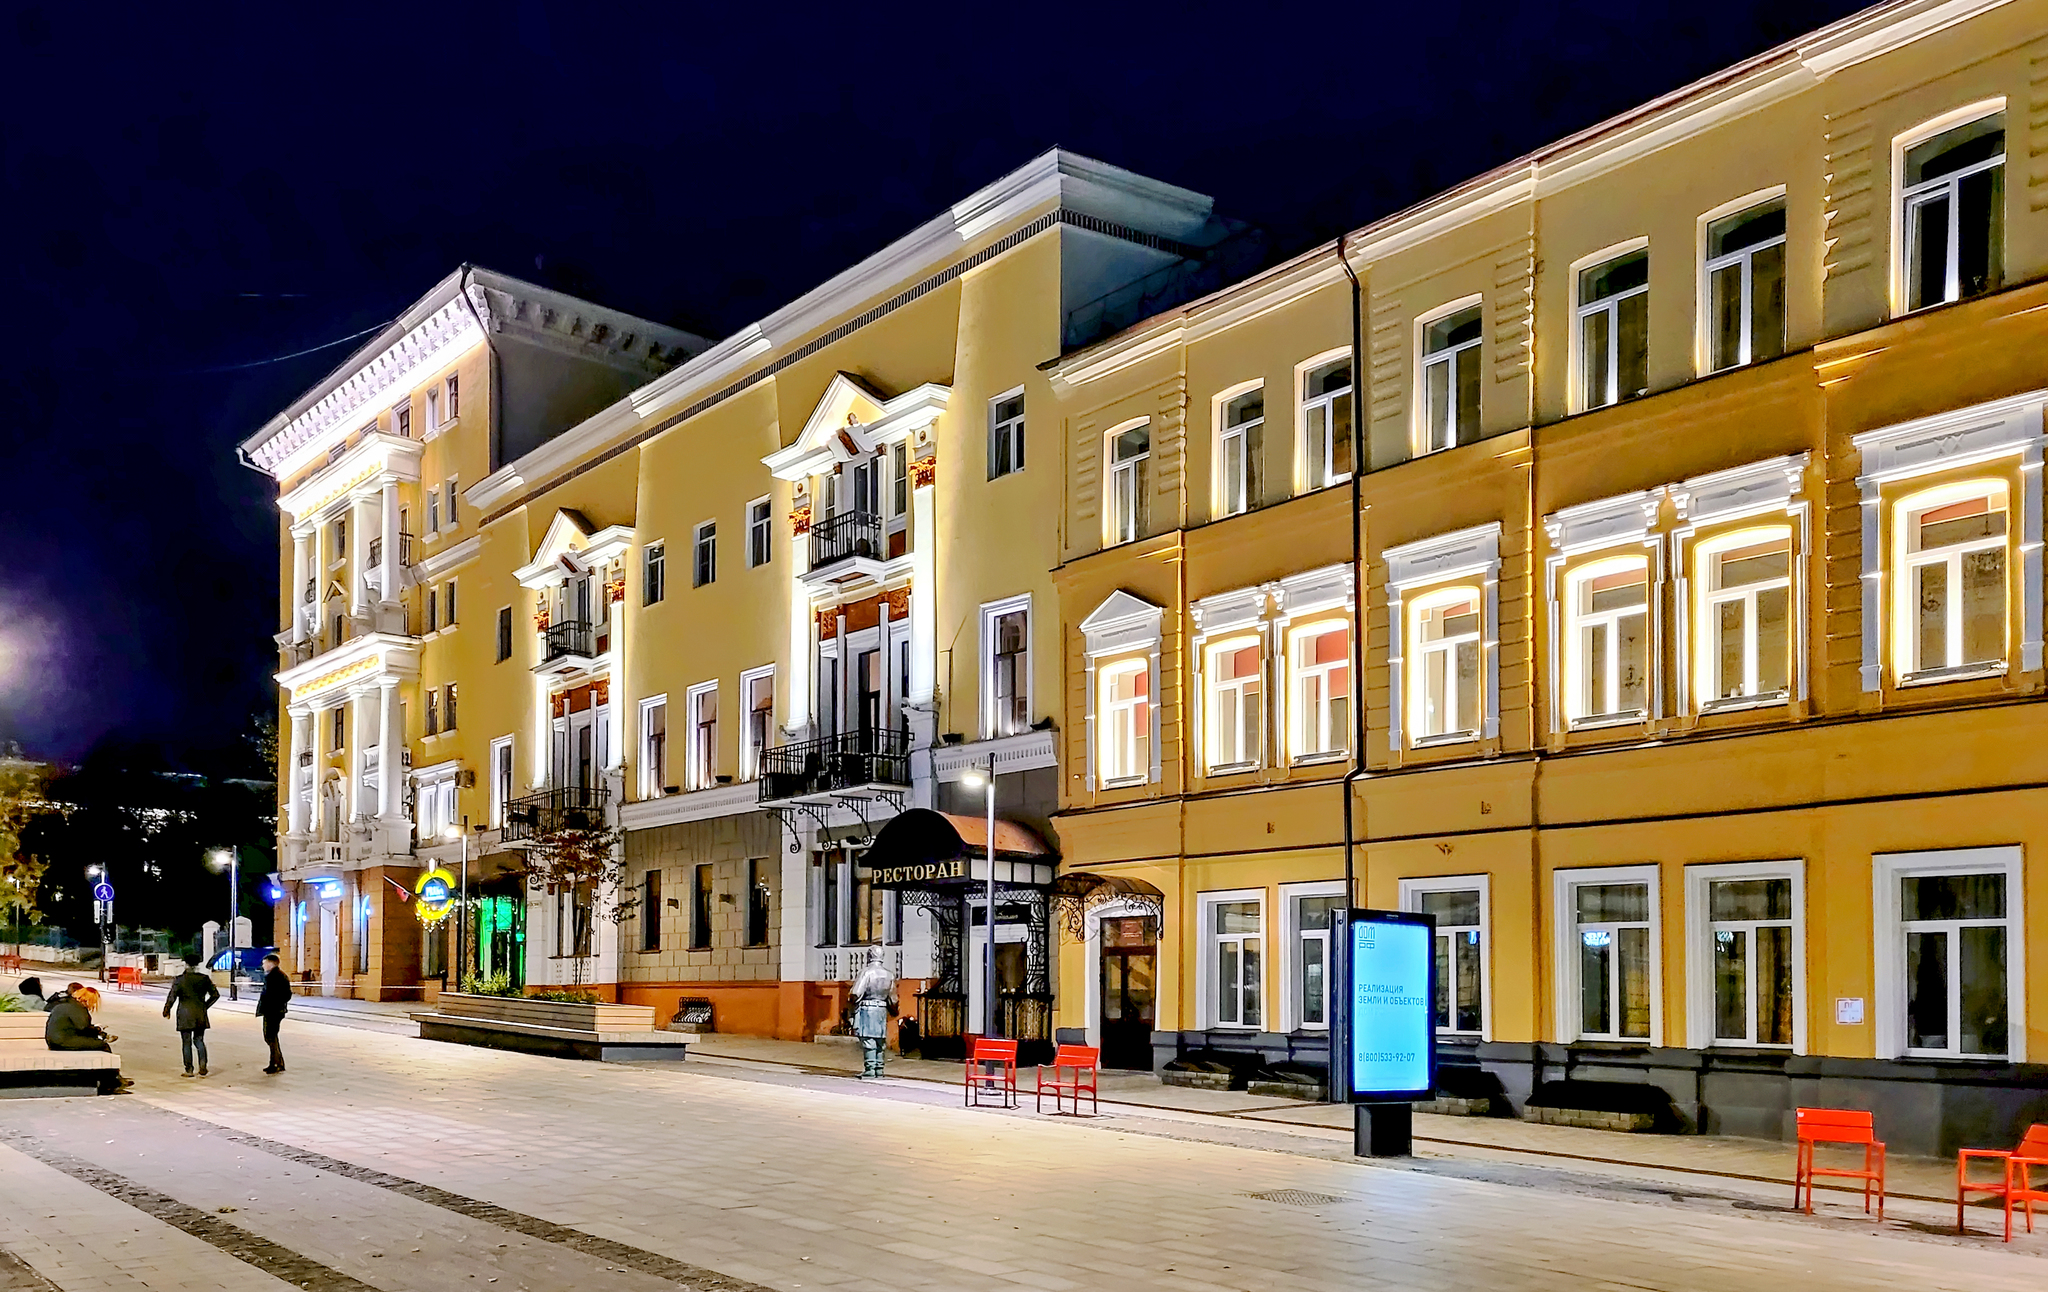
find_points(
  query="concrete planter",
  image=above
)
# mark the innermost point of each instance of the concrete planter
(605, 1033)
(23, 1027)
(1197, 1080)
(1449, 1106)
(1633, 1123)
(546, 1013)
(1288, 1090)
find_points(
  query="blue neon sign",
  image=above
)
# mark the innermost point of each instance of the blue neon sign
(1393, 1033)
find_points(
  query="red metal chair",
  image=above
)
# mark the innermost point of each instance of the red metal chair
(991, 1066)
(2032, 1152)
(126, 976)
(1084, 1061)
(1838, 1126)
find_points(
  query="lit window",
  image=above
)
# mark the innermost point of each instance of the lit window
(1745, 275)
(1952, 213)
(1745, 623)
(757, 697)
(1237, 710)
(1129, 483)
(1459, 1006)
(1326, 424)
(760, 533)
(653, 573)
(448, 707)
(653, 748)
(704, 565)
(1614, 330)
(1235, 955)
(1612, 922)
(1322, 690)
(1751, 924)
(1006, 434)
(703, 762)
(1447, 696)
(1125, 744)
(1009, 678)
(1450, 380)
(1607, 649)
(433, 711)
(1243, 432)
(1952, 584)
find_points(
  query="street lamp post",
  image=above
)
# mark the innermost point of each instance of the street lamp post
(462, 907)
(230, 859)
(94, 872)
(972, 778)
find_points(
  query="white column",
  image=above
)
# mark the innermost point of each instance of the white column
(393, 564)
(888, 665)
(390, 742)
(362, 708)
(360, 517)
(924, 593)
(302, 540)
(299, 787)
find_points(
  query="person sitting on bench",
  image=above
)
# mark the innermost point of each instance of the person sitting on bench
(70, 1027)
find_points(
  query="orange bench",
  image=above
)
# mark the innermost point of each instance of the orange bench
(2032, 1152)
(1083, 1061)
(126, 976)
(1838, 1126)
(991, 1066)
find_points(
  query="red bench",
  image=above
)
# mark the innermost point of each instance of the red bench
(991, 1066)
(1839, 1126)
(2032, 1152)
(1083, 1061)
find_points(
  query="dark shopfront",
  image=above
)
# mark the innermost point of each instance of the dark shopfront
(938, 862)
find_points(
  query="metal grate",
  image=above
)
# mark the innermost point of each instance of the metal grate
(1296, 1198)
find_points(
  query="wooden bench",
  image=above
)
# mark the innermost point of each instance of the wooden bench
(30, 1068)
(1084, 1061)
(603, 1033)
(1838, 1126)
(2031, 1154)
(991, 1066)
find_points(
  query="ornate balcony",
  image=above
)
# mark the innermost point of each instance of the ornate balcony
(846, 536)
(834, 764)
(377, 550)
(572, 638)
(566, 807)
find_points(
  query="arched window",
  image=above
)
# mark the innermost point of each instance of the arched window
(1445, 690)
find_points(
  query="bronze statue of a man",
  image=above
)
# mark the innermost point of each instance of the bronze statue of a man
(874, 999)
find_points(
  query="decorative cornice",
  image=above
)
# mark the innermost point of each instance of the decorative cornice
(1444, 556)
(1769, 485)
(351, 664)
(376, 459)
(449, 559)
(1603, 523)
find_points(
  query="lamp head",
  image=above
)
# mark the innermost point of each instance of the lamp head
(220, 859)
(974, 778)
(452, 833)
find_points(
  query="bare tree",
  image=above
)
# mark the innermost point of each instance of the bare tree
(586, 861)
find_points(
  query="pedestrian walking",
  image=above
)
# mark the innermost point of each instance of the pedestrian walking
(192, 993)
(270, 1006)
(70, 1027)
(31, 993)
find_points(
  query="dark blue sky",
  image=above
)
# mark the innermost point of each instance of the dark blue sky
(197, 187)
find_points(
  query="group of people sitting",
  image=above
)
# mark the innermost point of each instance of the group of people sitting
(70, 1025)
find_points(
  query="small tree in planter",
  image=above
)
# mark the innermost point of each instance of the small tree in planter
(585, 861)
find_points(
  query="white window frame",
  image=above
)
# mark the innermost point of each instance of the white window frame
(1699, 941)
(1117, 770)
(451, 517)
(1465, 557)
(704, 554)
(1213, 689)
(1908, 198)
(1235, 438)
(502, 793)
(991, 611)
(760, 532)
(1123, 628)
(1123, 479)
(1299, 743)
(1451, 357)
(1425, 648)
(1581, 398)
(1006, 434)
(750, 752)
(653, 786)
(1703, 324)
(1565, 951)
(1887, 870)
(1411, 892)
(1756, 495)
(1907, 562)
(1578, 705)
(1707, 601)
(654, 573)
(1206, 944)
(1293, 995)
(1305, 453)
(433, 509)
(700, 765)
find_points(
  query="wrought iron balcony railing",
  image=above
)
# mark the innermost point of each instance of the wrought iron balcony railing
(566, 807)
(571, 637)
(847, 535)
(377, 550)
(840, 762)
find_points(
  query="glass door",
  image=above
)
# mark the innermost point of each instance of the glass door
(1129, 985)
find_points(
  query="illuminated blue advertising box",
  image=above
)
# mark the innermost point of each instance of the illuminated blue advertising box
(1393, 1035)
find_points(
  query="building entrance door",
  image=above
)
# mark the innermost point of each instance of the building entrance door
(330, 946)
(1011, 950)
(1130, 967)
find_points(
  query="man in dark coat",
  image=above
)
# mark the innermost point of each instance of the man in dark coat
(270, 1006)
(192, 993)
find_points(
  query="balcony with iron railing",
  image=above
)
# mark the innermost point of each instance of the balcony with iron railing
(565, 807)
(848, 535)
(571, 637)
(377, 551)
(832, 764)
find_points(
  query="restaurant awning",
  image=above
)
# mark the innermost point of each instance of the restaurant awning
(923, 849)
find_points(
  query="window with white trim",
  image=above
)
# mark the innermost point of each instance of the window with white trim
(653, 573)
(1447, 688)
(434, 509)
(1951, 586)
(1750, 923)
(1449, 398)
(760, 533)
(654, 747)
(1614, 959)
(1614, 330)
(1124, 743)
(1326, 424)
(1006, 434)
(1951, 966)
(454, 402)
(703, 752)
(452, 494)
(1321, 703)
(1310, 967)
(1235, 945)
(704, 561)
(1745, 280)
(1006, 667)
(1128, 505)
(1952, 213)
(1744, 616)
(757, 703)
(501, 779)
(1236, 705)
(1240, 438)
(1459, 905)
(1607, 639)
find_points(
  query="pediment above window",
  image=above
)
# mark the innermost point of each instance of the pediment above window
(572, 547)
(1122, 622)
(853, 420)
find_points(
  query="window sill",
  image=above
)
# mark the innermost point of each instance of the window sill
(1323, 759)
(1737, 703)
(1448, 738)
(1126, 782)
(1959, 673)
(1949, 1056)
(1609, 721)
(1232, 769)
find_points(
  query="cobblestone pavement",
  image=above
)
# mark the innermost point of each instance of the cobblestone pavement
(384, 1162)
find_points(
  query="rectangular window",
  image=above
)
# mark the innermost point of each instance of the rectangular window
(432, 609)
(760, 533)
(1449, 688)
(450, 494)
(1952, 214)
(1126, 717)
(504, 633)
(1750, 921)
(1322, 690)
(1237, 707)
(362, 933)
(1608, 640)
(448, 603)
(758, 902)
(700, 910)
(1745, 277)
(1459, 905)
(868, 903)
(1745, 616)
(1953, 972)
(1311, 962)
(448, 707)
(1326, 424)
(434, 510)
(899, 483)
(433, 711)
(1611, 923)
(650, 911)
(401, 420)
(653, 573)
(703, 760)
(1006, 434)
(1238, 450)
(827, 866)
(1450, 380)
(340, 539)
(1129, 501)
(1953, 587)
(1614, 330)
(454, 397)
(653, 748)
(704, 564)
(434, 410)
(501, 780)
(757, 701)
(1008, 641)
(1235, 962)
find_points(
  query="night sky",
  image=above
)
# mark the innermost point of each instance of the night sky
(196, 191)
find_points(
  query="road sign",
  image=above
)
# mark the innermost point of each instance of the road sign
(1393, 1035)
(103, 892)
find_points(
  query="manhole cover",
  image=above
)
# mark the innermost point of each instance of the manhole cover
(1297, 1198)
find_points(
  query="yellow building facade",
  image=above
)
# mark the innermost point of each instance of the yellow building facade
(1695, 624)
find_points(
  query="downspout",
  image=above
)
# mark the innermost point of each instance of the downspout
(1339, 1086)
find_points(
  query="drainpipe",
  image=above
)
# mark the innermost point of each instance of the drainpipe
(1339, 1087)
